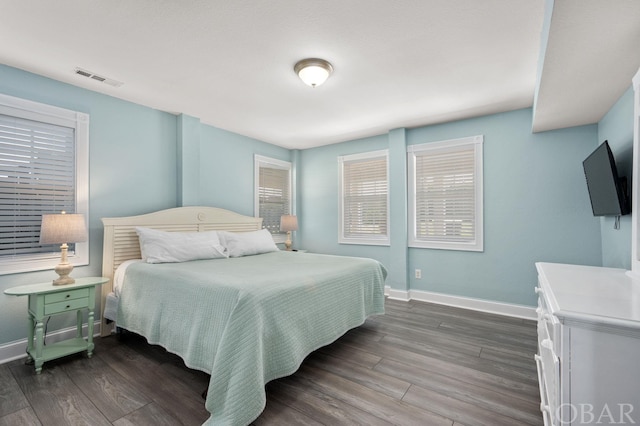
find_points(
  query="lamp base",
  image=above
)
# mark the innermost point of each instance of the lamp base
(63, 270)
(64, 281)
(287, 244)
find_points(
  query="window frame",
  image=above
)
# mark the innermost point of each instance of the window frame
(376, 240)
(477, 244)
(260, 161)
(79, 121)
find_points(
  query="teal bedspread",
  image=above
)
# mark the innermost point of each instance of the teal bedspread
(249, 320)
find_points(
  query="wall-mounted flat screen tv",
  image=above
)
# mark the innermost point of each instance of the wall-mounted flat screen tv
(607, 191)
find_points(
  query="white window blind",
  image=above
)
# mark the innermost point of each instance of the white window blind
(364, 198)
(37, 176)
(43, 169)
(273, 192)
(446, 187)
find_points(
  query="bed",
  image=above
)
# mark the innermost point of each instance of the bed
(244, 320)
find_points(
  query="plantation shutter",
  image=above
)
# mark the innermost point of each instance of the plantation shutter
(445, 180)
(274, 195)
(37, 176)
(365, 198)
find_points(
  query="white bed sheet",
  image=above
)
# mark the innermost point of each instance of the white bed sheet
(118, 276)
(111, 301)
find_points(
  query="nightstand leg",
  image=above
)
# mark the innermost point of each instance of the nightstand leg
(90, 333)
(39, 344)
(31, 324)
(78, 323)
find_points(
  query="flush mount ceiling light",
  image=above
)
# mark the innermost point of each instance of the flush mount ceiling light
(313, 71)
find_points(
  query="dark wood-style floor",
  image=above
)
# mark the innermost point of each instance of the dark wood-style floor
(419, 364)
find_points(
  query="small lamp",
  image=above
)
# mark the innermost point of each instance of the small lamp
(62, 229)
(288, 223)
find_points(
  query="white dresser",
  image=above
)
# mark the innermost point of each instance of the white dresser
(588, 345)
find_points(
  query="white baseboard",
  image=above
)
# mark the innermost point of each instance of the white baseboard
(396, 294)
(500, 308)
(18, 349)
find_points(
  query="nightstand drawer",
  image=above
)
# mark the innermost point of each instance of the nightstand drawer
(65, 305)
(66, 295)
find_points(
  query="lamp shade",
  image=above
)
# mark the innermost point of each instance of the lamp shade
(63, 228)
(313, 71)
(288, 222)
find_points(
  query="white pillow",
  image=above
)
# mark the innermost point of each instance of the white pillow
(247, 243)
(166, 247)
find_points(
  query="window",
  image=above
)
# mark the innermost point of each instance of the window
(272, 193)
(445, 194)
(43, 169)
(364, 198)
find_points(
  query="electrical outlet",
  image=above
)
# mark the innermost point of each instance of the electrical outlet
(418, 273)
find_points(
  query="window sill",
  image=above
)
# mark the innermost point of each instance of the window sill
(40, 263)
(439, 245)
(365, 242)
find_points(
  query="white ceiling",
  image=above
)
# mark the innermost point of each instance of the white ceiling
(398, 63)
(592, 53)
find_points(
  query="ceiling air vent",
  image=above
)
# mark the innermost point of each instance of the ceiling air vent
(94, 76)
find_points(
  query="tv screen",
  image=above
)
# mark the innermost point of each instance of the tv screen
(606, 190)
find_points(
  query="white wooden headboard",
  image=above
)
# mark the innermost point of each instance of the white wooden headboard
(121, 241)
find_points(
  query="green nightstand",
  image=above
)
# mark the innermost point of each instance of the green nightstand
(46, 299)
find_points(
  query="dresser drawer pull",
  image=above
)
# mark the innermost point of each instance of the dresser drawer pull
(68, 306)
(68, 296)
(538, 290)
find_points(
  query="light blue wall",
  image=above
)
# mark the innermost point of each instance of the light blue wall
(617, 128)
(132, 170)
(536, 207)
(318, 199)
(226, 171)
(188, 160)
(398, 277)
(138, 164)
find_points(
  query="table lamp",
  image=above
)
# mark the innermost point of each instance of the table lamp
(288, 223)
(62, 229)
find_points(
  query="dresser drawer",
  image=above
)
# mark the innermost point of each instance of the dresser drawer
(66, 295)
(543, 333)
(65, 305)
(548, 365)
(549, 326)
(544, 403)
